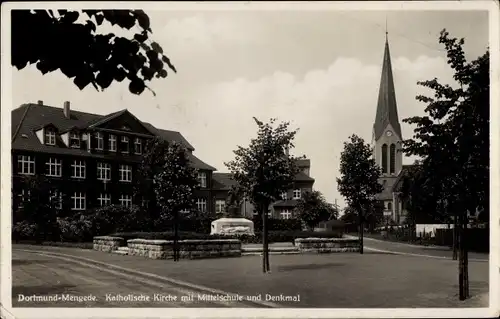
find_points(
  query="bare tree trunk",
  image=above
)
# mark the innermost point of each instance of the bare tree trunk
(361, 229)
(176, 237)
(455, 236)
(463, 271)
(265, 243)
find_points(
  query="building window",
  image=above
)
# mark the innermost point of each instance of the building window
(202, 179)
(220, 206)
(285, 214)
(26, 165)
(100, 141)
(50, 137)
(137, 146)
(78, 200)
(78, 168)
(201, 204)
(104, 199)
(124, 144)
(392, 156)
(384, 158)
(389, 206)
(126, 200)
(104, 171)
(125, 173)
(112, 143)
(284, 196)
(56, 199)
(74, 140)
(24, 197)
(54, 167)
(296, 193)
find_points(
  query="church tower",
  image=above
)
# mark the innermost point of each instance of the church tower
(387, 137)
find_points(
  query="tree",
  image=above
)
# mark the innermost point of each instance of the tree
(174, 186)
(69, 41)
(152, 163)
(359, 179)
(264, 170)
(453, 140)
(312, 208)
(39, 207)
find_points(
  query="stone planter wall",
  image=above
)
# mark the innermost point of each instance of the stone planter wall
(108, 243)
(327, 245)
(188, 249)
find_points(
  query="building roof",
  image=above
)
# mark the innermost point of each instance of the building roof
(387, 110)
(304, 162)
(223, 181)
(28, 118)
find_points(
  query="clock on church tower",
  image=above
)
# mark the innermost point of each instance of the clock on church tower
(388, 133)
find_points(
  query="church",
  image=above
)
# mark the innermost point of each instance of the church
(387, 142)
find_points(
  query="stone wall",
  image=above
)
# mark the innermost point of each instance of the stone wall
(327, 245)
(108, 243)
(189, 249)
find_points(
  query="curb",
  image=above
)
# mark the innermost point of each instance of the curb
(419, 255)
(150, 276)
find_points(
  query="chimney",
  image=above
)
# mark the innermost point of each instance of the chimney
(66, 110)
(40, 102)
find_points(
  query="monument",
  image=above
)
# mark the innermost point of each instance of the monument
(232, 226)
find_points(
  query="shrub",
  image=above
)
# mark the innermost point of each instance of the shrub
(276, 224)
(77, 228)
(23, 230)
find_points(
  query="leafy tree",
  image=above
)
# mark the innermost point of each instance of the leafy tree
(453, 140)
(69, 41)
(39, 207)
(312, 209)
(152, 163)
(174, 186)
(264, 170)
(359, 179)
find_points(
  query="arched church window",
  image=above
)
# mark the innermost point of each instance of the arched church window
(384, 158)
(389, 206)
(393, 159)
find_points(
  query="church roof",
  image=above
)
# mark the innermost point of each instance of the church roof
(387, 111)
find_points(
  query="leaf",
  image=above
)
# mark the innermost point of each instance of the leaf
(82, 80)
(136, 86)
(70, 17)
(140, 37)
(167, 61)
(143, 20)
(156, 47)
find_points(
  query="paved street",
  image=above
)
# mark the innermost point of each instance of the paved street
(39, 275)
(344, 280)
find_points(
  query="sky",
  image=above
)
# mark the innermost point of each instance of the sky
(319, 70)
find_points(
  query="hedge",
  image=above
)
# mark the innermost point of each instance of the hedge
(274, 236)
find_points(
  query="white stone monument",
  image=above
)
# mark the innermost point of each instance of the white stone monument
(232, 226)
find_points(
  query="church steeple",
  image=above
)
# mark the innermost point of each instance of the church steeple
(387, 111)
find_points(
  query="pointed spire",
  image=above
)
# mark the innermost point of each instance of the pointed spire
(387, 111)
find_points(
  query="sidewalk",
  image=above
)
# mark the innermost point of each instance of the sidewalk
(397, 247)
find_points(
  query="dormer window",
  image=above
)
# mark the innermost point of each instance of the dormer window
(124, 144)
(50, 136)
(100, 141)
(74, 140)
(137, 146)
